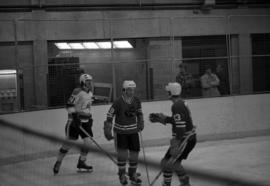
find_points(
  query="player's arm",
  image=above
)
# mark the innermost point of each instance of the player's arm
(204, 83)
(70, 105)
(139, 115)
(111, 113)
(215, 82)
(179, 130)
(108, 122)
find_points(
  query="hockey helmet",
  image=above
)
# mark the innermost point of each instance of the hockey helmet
(85, 77)
(174, 89)
(129, 84)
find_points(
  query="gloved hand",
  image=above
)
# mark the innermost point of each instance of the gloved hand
(108, 130)
(157, 117)
(140, 125)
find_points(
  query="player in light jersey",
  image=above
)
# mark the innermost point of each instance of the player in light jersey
(79, 115)
(182, 128)
(128, 115)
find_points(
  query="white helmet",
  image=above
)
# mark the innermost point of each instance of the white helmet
(85, 77)
(174, 89)
(129, 84)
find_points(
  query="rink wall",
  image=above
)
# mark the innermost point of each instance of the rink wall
(215, 118)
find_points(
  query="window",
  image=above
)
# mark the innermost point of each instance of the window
(8, 90)
(261, 62)
(199, 54)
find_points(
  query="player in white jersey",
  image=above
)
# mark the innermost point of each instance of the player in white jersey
(79, 115)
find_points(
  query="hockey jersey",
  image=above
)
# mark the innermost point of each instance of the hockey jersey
(79, 103)
(181, 120)
(127, 115)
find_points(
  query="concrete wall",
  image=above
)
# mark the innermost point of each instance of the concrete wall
(130, 24)
(215, 118)
(40, 26)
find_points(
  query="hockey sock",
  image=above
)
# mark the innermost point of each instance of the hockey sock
(62, 153)
(167, 178)
(133, 159)
(82, 157)
(121, 167)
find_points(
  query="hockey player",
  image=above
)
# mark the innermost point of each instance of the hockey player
(128, 122)
(182, 127)
(79, 115)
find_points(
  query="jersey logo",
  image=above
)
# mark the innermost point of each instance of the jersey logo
(177, 117)
(111, 110)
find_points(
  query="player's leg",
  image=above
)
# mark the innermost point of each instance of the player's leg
(178, 168)
(71, 134)
(181, 173)
(166, 170)
(122, 152)
(87, 142)
(134, 149)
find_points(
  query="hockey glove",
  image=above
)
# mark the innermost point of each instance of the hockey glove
(108, 130)
(157, 117)
(140, 125)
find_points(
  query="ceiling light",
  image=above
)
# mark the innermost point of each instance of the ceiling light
(104, 45)
(76, 45)
(62, 46)
(2, 72)
(90, 45)
(122, 44)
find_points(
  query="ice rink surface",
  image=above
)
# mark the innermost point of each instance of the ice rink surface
(247, 158)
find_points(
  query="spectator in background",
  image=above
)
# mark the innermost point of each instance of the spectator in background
(185, 79)
(209, 83)
(223, 84)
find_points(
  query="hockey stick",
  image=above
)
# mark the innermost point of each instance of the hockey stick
(144, 157)
(172, 160)
(99, 147)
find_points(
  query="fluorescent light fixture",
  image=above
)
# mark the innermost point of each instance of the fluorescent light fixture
(76, 46)
(90, 45)
(122, 44)
(94, 45)
(104, 45)
(62, 46)
(2, 72)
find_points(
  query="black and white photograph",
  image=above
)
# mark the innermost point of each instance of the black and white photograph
(134, 93)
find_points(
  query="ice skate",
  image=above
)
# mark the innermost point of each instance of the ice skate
(123, 179)
(134, 180)
(56, 167)
(184, 181)
(83, 167)
(166, 184)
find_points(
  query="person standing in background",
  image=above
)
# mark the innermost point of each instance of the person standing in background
(209, 83)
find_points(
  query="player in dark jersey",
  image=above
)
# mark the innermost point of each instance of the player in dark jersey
(182, 128)
(128, 115)
(79, 115)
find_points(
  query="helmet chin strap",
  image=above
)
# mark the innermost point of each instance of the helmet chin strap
(86, 88)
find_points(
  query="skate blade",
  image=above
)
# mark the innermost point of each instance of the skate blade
(136, 184)
(85, 170)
